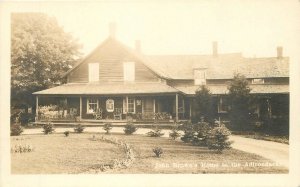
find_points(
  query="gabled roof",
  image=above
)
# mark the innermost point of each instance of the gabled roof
(114, 88)
(129, 50)
(222, 66)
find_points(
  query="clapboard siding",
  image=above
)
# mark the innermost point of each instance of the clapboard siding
(110, 57)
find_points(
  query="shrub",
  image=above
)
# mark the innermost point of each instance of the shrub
(79, 129)
(203, 104)
(201, 133)
(218, 139)
(48, 128)
(21, 149)
(158, 151)
(16, 130)
(174, 134)
(130, 128)
(156, 132)
(66, 133)
(189, 133)
(107, 127)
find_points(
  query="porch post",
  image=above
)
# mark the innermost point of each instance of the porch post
(191, 108)
(176, 107)
(153, 105)
(80, 108)
(126, 104)
(37, 107)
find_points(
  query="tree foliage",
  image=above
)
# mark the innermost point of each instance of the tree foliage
(239, 98)
(203, 104)
(40, 53)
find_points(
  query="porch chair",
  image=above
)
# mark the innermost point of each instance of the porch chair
(98, 114)
(118, 114)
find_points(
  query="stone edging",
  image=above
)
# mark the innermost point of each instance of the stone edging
(117, 163)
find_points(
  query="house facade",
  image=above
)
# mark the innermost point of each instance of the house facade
(117, 83)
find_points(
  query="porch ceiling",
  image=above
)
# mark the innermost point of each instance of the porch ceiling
(222, 89)
(108, 88)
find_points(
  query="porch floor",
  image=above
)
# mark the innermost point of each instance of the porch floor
(99, 123)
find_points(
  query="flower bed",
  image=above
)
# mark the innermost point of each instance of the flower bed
(117, 163)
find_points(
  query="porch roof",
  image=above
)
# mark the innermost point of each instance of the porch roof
(108, 89)
(222, 89)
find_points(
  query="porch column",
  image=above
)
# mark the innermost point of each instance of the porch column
(176, 107)
(126, 104)
(37, 107)
(80, 108)
(191, 109)
(153, 105)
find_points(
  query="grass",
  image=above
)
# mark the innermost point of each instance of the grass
(58, 154)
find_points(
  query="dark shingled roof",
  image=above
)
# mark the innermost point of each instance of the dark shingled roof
(108, 88)
(224, 66)
(222, 89)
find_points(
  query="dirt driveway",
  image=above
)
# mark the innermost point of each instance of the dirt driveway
(277, 152)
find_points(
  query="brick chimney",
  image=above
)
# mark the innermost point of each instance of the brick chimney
(112, 30)
(279, 52)
(138, 46)
(215, 48)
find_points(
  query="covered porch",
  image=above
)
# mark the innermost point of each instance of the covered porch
(139, 102)
(113, 108)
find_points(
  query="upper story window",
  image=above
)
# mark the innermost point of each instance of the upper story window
(258, 81)
(129, 71)
(93, 72)
(200, 77)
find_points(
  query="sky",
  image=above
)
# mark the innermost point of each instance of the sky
(254, 28)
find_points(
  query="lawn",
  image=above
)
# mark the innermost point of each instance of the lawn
(56, 153)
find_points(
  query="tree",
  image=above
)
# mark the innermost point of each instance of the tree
(239, 98)
(40, 53)
(203, 104)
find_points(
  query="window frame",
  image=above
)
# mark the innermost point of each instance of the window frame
(126, 104)
(261, 81)
(93, 72)
(199, 81)
(88, 104)
(127, 77)
(221, 107)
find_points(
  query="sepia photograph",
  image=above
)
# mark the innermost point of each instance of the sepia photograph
(100, 88)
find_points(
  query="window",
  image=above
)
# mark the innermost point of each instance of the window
(92, 105)
(93, 72)
(200, 77)
(129, 71)
(129, 105)
(110, 105)
(258, 81)
(223, 106)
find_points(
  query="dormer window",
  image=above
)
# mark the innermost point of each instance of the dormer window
(199, 77)
(93, 72)
(258, 81)
(129, 71)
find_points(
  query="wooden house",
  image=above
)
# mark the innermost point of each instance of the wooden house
(115, 82)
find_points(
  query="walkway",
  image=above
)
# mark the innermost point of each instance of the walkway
(277, 152)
